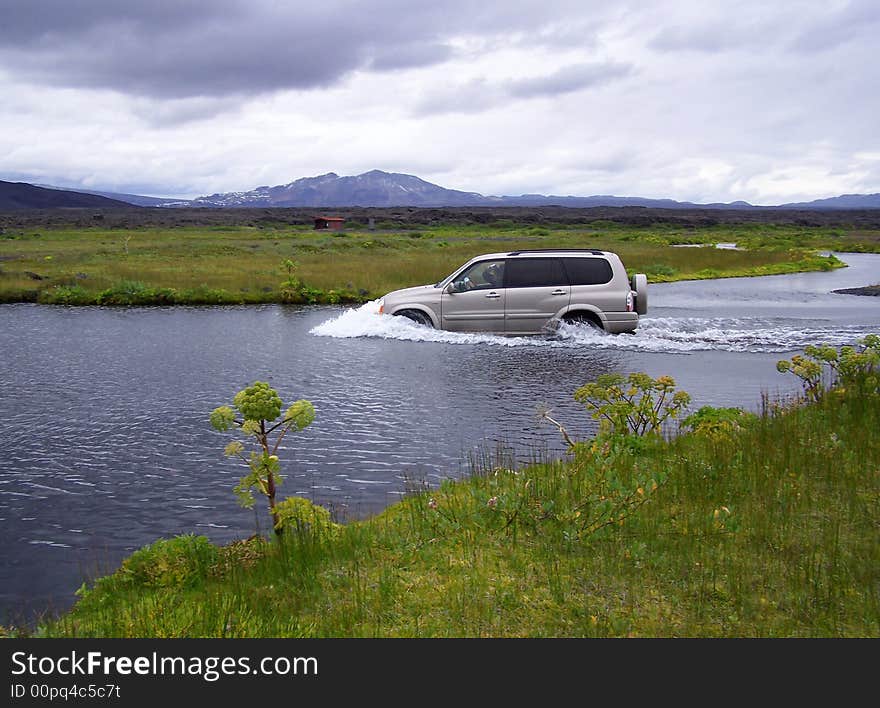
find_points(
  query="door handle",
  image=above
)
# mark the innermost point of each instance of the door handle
(492, 295)
(559, 292)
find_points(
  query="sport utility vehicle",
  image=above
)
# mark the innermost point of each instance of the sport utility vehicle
(528, 292)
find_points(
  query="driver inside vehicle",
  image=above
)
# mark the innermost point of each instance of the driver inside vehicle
(486, 275)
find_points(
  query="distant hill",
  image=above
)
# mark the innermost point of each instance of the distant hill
(135, 199)
(20, 195)
(844, 201)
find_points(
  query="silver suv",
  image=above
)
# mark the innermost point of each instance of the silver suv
(528, 292)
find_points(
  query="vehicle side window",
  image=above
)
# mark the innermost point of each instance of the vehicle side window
(535, 273)
(481, 276)
(588, 271)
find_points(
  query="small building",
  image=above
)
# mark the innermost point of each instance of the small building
(329, 222)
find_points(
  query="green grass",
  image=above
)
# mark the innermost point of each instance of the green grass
(200, 265)
(766, 531)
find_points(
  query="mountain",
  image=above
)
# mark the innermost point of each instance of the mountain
(391, 189)
(373, 189)
(135, 199)
(20, 195)
(844, 201)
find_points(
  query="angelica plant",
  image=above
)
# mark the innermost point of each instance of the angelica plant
(633, 405)
(254, 412)
(823, 368)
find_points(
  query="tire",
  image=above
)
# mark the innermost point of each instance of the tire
(416, 316)
(639, 286)
(581, 318)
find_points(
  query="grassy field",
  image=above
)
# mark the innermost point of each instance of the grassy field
(768, 529)
(245, 264)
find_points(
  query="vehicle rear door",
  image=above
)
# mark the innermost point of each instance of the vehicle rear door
(537, 288)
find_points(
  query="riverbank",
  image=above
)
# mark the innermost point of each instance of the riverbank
(869, 290)
(763, 527)
(293, 263)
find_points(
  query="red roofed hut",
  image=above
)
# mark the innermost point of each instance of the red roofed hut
(329, 222)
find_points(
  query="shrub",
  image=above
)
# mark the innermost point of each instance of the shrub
(633, 405)
(822, 367)
(134, 292)
(66, 295)
(181, 561)
(718, 422)
(259, 406)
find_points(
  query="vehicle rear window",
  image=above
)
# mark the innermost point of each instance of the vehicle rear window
(588, 271)
(534, 273)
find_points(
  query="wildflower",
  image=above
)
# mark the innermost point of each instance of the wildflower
(492, 503)
(432, 504)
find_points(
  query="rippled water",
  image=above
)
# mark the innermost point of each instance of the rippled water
(105, 444)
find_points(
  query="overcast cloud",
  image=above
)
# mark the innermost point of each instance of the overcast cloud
(700, 101)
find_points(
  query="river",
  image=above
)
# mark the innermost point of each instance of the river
(105, 444)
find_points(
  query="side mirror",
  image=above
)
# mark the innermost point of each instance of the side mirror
(452, 288)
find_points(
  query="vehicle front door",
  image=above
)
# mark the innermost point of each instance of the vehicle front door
(474, 300)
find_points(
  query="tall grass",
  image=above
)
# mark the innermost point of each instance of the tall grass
(766, 531)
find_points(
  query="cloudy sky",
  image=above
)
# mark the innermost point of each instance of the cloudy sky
(698, 100)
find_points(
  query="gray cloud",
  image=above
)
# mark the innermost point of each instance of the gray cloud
(474, 96)
(408, 56)
(714, 36)
(171, 112)
(568, 79)
(184, 48)
(41, 23)
(839, 27)
(480, 95)
(775, 25)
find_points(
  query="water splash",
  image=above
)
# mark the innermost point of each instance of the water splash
(655, 334)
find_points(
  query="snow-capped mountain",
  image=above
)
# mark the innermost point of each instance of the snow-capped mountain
(375, 188)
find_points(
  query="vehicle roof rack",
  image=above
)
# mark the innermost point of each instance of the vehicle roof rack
(594, 251)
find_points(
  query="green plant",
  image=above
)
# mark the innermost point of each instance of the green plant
(821, 368)
(718, 422)
(181, 561)
(636, 404)
(65, 295)
(292, 286)
(301, 514)
(660, 270)
(259, 406)
(134, 292)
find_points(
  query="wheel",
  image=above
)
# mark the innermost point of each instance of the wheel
(416, 316)
(581, 318)
(639, 285)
